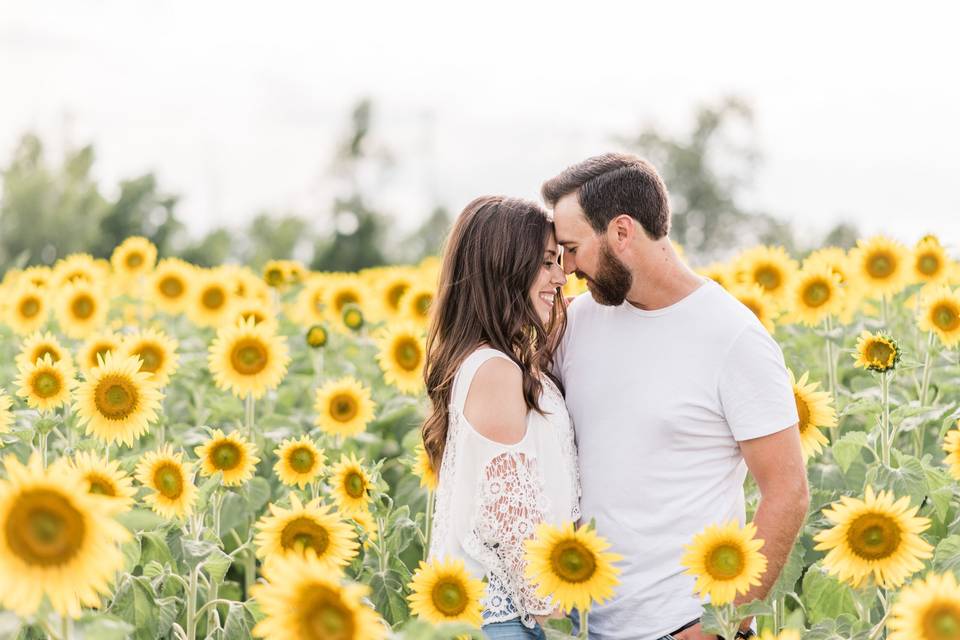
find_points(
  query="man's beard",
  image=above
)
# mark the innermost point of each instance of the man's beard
(613, 280)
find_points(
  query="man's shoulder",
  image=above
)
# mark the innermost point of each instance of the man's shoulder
(726, 313)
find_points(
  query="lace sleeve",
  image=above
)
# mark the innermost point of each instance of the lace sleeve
(511, 504)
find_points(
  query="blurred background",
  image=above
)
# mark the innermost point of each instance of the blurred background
(348, 135)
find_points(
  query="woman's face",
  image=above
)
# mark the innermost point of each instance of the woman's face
(543, 293)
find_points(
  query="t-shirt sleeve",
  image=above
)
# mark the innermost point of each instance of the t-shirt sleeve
(754, 386)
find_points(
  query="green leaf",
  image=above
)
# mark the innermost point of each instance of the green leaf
(167, 609)
(908, 479)
(154, 548)
(238, 624)
(847, 449)
(388, 596)
(560, 624)
(217, 564)
(135, 604)
(103, 627)
(946, 556)
(152, 569)
(824, 596)
(196, 551)
(754, 609)
(258, 494)
(792, 569)
(140, 520)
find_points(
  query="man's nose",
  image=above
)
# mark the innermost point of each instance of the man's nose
(569, 264)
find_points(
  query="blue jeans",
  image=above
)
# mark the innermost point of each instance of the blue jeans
(512, 630)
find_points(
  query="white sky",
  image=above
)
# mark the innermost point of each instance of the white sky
(236, 106)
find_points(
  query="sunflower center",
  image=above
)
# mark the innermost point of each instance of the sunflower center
(318, 302)
(725, 562)
(116, 397)
(945, 317)
(323, 615)
(353, 484)
(449, 597)
(102, 351)
(407, 354)
(302, 460)
(226, 456)
(101, 485)
(396, 292)
(928, 264)
(573, 562)
(83, 306)
(768, 277)
(879, 353)
(422, 304)
(172, 287)
(273, 277)
(353, 318)
(256, 316)
(816, 294)
(29, 307)
(44, 528)
(213, 298)
(343, 407)
(873, 536)
(46, 384)
(305, 533)
(134, 260)
(803, 411)
(316, 337)
(151, 356)
(941, 622)
(249, 357)
(168, 481)
(343, 299)
(881, 265)
(45, 351)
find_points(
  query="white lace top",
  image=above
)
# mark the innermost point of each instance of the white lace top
(491, 496)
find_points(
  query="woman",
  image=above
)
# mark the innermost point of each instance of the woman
(499, 431)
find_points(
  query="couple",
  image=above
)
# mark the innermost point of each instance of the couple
(674, 387)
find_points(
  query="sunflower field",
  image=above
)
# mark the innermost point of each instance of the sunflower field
(221, 453)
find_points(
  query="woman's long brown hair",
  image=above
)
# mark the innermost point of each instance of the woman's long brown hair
(492, 257)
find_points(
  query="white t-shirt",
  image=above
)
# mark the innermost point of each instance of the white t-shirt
(659, 400)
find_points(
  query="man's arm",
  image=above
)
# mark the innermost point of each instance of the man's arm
(776, 462)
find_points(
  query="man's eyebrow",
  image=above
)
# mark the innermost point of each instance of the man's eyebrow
(550, 251)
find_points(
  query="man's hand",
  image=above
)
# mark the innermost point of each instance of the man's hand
(695, 633)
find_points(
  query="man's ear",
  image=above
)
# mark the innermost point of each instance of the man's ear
(621, 230)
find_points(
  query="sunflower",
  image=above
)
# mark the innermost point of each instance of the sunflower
(875, 536)
(6, 415)
(252, 309)
(815, 295)
(302, 599)
(930, 262)
(881, 265)
(170, 481)
(308, 309)
(719, 272)
(45, 384)
(275, 273)
(77, 267)
(104, 477)
(416, 302)
(726, 561)
(352, 317)
(927, 609)
(96, 347)
(134, 257)
(444, 591)
(231, 454)
(27, 309)
(390, 291)
(169, 286)
(367, 527)
(786, 634)
(37, 275)
(341, 291)
(39, 344)
(876, 352)
(211, 298)
(117, 401)
(350, 484)
(401, 356)
(941, 314)
(816, 412)
(574, 287)
(753, 298)
(570, 565)
(81, 309)
(951, 445)
(424, 469)
(317, 336)
(299, 462)
(344, 407)
(770, 268)
(56, 540)
(312, 529)
(157, 353)
(248, 359)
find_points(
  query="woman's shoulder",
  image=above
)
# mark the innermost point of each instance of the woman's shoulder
(495, 406)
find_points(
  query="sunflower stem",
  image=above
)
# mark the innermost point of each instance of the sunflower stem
(883, 310)
(249, 571)
(66, 628)
(885, 417)
(248, 415)
(584, 625)
(427, 524)
(317, 367)
(192, 603)
(42, 446)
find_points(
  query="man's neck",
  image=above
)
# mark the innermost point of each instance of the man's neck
(661, 279)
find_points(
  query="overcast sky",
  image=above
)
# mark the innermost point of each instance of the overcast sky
(237, 106)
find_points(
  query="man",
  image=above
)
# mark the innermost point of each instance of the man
(676, 390)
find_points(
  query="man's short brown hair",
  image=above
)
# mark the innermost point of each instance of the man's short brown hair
(611, 185)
